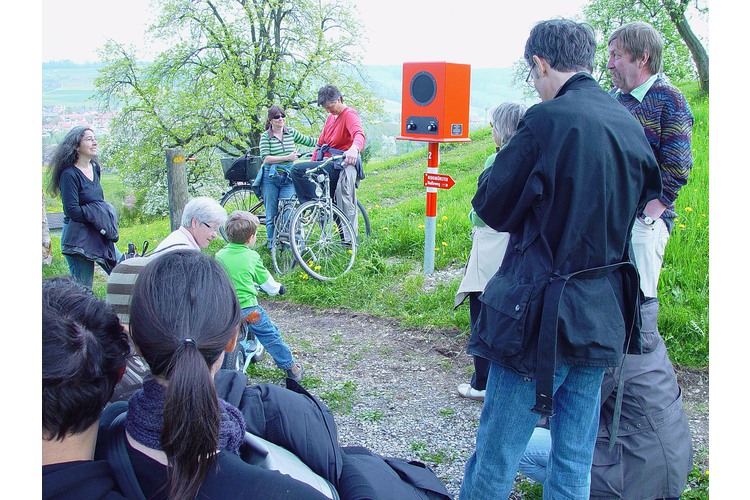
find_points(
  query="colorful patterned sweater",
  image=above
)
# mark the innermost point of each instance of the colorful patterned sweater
(668, 124)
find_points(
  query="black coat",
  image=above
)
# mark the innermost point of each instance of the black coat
(567, 187)
(86, 216)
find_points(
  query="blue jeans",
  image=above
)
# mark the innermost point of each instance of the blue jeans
(273, 188)
(269, 335)
(534, 461)
(81, 268)
(506, 425)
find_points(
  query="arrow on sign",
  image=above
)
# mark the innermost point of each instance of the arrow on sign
(438, 181)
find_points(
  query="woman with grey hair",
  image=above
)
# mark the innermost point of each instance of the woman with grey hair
(487, 248)
(201, 219)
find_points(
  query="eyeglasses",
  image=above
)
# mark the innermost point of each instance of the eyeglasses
(529, 79)
(279, 116)
(216, 231)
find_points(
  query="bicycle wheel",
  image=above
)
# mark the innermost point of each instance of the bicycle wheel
(322, 242)
(363, 222)
(282, 255)
(243, 198)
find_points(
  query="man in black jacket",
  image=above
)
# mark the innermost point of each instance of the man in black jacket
(564, 304)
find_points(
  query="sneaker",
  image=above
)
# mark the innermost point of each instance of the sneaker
(296, 372)
(467, 391)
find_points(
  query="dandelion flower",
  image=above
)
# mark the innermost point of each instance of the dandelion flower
(421, 226)
(688, 209)
(317, 268)
(444, 244)
(385, 229)
(444, 217)
(682, 226)
(377, 206)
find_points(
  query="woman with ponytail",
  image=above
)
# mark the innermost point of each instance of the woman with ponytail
(183, 441)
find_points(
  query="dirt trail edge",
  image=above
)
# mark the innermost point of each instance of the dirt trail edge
(393, 389)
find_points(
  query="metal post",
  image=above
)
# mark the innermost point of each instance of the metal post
(433, 160)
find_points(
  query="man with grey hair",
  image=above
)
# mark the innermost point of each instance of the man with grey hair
(635, 60)
(564, 304)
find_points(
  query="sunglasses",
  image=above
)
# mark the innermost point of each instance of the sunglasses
(276, 117)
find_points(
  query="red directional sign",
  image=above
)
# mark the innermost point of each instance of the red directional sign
(441, 181)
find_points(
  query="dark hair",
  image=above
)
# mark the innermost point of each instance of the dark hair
(183, 313)
(84, 350)
(328, 93)
(566, 45)
(273, 111)
(638, 38)
(64, 156)
(240, 226)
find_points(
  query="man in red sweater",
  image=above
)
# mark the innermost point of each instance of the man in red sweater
(342, 134)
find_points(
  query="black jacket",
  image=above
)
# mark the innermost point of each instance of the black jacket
(86, 216)
(567, 187)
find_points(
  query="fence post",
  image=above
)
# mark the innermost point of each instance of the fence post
(177, 187)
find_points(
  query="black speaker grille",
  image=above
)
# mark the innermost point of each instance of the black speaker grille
(423, 88)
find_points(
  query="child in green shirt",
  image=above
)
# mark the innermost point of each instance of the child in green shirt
(245, 268)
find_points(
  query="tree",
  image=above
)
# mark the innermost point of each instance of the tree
(684, 53)
(228, 61)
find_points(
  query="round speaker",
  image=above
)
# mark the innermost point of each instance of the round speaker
(423, 88)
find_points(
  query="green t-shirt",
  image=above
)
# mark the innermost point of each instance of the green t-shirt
(245, 269)
(473, 217)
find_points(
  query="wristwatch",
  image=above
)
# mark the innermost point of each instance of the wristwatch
(646, 219)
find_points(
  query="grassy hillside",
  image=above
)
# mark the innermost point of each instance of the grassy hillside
(388, 278)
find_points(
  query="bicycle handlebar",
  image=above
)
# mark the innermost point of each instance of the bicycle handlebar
(312, 170)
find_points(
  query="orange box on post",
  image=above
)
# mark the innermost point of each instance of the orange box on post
(435, 102)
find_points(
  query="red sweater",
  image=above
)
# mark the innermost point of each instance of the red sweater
(341, 131)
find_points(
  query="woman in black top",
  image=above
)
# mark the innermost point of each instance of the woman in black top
(90, 224)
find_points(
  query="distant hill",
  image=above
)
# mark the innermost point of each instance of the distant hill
(69, 84)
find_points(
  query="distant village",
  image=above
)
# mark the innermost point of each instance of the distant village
(59, 119)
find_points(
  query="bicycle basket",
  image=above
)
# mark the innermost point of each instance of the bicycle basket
(242, 168)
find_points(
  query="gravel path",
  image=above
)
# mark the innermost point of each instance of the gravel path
(393, 389)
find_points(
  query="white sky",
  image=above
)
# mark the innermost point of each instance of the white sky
(485, 35)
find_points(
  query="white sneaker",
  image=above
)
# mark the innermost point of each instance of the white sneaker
(467, 391)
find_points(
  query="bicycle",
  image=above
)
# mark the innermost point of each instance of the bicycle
(240, 173)
(323, 242)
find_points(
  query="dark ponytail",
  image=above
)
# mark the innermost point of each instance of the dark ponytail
(183, 313)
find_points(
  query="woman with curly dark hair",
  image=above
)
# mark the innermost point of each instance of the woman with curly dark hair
(89, 228)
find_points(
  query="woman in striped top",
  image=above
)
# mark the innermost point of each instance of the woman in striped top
(278, 152)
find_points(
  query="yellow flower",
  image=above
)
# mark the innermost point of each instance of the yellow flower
(682, 226)
(703, 215)
(421, 226)
(317, 268)
(444, 217)
(310, 263)
(349, 251)
(444, 244)
(304, 276)
(688, 209)
(439, 225)
(377, 206)
(385, 229)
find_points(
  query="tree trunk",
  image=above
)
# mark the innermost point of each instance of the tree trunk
(176, 185)
(699, 53)
(46, 240)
